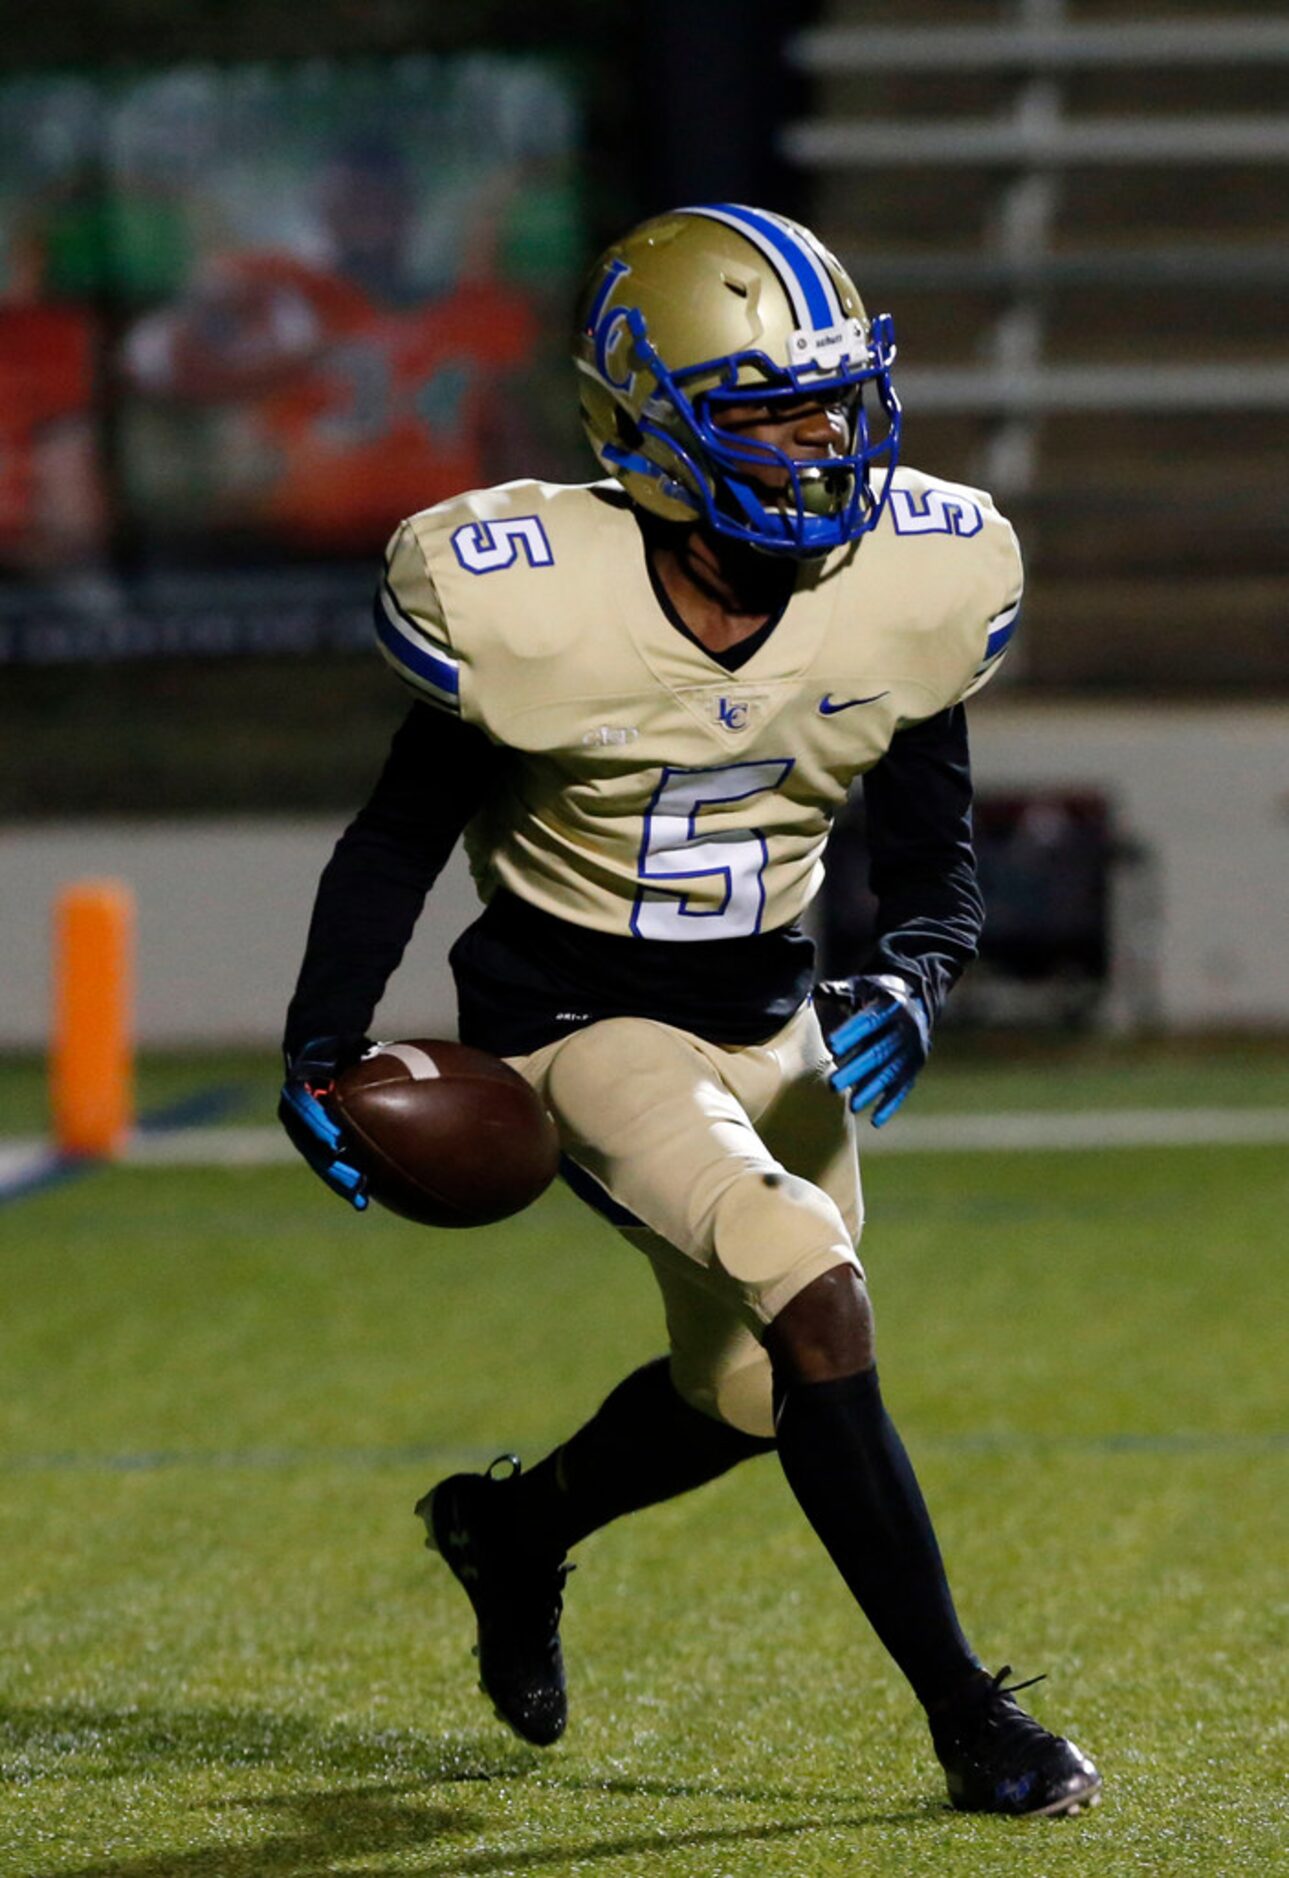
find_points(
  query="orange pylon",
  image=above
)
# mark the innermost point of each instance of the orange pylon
(92, 1056)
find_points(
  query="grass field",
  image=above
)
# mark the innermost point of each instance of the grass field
(225, 1655)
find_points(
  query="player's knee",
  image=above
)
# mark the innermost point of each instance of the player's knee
(773, 1233)
(825, 1332)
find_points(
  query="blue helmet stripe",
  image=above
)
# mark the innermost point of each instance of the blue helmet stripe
(800, 266)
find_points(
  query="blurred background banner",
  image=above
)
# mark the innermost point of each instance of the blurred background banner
(254, 314)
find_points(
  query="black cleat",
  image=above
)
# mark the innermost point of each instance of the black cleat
(998, 1759)
(517, 1594)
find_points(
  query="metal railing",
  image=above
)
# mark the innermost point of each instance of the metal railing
(999, 391)
(1038, 46)
(1034, 144)
(1038, 140)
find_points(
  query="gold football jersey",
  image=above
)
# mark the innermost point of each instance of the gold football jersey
(648, 790)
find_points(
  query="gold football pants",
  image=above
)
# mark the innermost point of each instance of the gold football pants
(732, 1167)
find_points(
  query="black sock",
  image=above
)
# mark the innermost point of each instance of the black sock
(644, 1443)
(853, 1481)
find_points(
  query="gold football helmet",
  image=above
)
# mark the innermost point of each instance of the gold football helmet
(729, 305)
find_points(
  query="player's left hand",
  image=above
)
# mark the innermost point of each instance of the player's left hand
(880, 1047)
(314, 1132)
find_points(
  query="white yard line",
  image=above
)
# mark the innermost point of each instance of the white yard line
(211, 1147)
(1008, 1133)
(1024, 1130)
(1005, 1132)
(21, 1158)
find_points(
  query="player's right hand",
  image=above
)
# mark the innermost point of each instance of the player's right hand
(302, 1111)
(880, 1045)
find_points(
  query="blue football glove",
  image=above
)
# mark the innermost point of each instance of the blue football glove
(879, 1034)
(310, 1077)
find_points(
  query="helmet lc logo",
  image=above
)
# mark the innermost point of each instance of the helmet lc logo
(605, 329)
(663, 360)
(614, 327)
(612, 275)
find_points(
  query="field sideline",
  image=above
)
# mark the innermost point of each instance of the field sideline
(225, 1654)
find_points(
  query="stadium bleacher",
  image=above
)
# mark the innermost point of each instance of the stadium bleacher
(1078, 210)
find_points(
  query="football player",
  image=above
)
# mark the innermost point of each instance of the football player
(643, 700)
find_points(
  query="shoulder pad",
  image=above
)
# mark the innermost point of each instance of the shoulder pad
(966, 564)
(411, 630)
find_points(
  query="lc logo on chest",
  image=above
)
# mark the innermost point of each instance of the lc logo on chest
(736, 711)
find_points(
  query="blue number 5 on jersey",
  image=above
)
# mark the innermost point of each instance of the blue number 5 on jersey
(937, 512)
(485, 547)
(677, 851)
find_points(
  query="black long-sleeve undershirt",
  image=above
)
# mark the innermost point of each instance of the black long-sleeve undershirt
(371, 892)
(922, 863)
(525, 977)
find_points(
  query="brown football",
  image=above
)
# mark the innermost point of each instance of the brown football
(446, 1135)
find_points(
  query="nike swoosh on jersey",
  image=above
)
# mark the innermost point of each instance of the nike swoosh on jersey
(828, 709)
